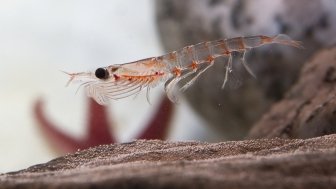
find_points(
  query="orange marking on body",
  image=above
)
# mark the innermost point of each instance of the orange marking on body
(159, 73)
(210, 58)
(241, 43)
(224, 47)
(266, 39)
(176, 71)
(194, 65)
(132, 77)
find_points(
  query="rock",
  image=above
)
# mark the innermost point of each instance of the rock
(263, 163)
(233, 112)
(309, 108)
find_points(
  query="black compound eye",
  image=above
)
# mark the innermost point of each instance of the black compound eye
(102, 73)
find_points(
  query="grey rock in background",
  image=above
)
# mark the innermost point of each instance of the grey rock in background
(187, 22)
(309, 107)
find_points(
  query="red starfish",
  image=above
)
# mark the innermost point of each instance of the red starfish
(98, 127)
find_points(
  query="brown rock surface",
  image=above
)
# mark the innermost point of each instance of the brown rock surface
(309, 108)
(264, 163)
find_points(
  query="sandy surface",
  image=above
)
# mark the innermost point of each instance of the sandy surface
(260, 163)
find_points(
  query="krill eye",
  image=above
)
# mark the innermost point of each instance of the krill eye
(101, 73)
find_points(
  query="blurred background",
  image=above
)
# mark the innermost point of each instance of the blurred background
(39, 39)
(41, 119)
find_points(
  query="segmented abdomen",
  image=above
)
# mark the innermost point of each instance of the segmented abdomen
(190, 56)
(191, 61)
